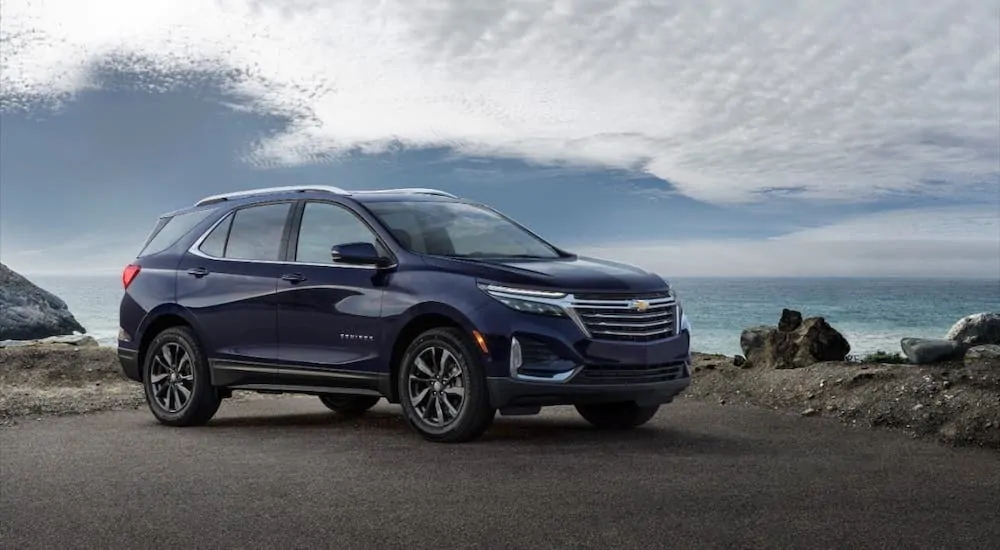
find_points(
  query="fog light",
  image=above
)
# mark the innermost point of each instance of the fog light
(123, 336)
(515, 356)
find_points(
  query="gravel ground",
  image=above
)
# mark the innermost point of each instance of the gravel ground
(63, 379)
(953, 404)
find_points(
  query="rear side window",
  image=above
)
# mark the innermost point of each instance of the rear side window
(256, 232)
(169, 229)
(215, 243)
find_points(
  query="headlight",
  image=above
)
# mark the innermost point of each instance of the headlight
(677, 299)
(540, 302)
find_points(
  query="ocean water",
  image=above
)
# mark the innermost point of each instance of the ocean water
(873, 314)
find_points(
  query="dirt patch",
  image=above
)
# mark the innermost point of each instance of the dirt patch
(950, 402)
(64, 379)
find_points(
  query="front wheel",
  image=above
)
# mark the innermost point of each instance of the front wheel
(176, 380)
(617, 416)
(349, 404)
(442, 388)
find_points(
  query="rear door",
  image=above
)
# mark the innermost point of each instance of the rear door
(228, 281)
(329, 326)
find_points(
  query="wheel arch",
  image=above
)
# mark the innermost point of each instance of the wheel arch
(158, 320)
(420, 319)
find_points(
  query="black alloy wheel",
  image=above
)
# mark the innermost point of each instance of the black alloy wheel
(442, 387)
(176, 380)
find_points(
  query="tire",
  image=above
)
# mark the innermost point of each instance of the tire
(349, 404)
(177, 346)
(448, 369)
(617, 416)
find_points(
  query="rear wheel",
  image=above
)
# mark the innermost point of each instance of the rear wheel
(442, 388)
(176, 380)
(617, 416)
(349, 404)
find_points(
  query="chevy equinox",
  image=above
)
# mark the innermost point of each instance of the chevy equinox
(440, 304)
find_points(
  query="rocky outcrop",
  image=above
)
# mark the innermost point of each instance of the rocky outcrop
(794, 343)
(753, 338)
(925, 351)
(983, 356)
(78, 340)
(28, 312)
(976, 330)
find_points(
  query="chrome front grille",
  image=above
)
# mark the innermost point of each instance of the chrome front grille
(633, 318)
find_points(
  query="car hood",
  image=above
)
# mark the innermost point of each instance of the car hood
(575, 274)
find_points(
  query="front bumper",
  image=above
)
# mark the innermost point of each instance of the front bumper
(510, 392)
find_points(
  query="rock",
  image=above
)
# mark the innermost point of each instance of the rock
(976, 330)
(812, 340)
(790, 320)
(739, 361)
(78, 340)
(753, 337)
(983, 356)
(809, 412)
(28, 312)
(924, 351)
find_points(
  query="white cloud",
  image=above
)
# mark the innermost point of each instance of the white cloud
(956, 242)
(948, 224)
(843, 99)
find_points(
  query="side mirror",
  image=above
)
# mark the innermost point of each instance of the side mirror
(358, 254)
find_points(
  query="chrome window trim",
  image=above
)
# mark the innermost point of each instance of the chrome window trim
(195, 250)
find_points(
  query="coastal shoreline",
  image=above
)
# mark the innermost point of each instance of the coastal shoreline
(950, 403)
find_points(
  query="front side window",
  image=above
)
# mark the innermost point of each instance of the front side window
(459, 230)
(256, 232)
(325, 225)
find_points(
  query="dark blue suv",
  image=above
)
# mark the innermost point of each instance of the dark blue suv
(442, 305)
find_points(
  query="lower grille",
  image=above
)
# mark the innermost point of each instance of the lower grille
(534, 351)
(631, 374)
(629, 318)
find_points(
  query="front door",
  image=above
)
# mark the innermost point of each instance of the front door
(229, 283)
(329, 330)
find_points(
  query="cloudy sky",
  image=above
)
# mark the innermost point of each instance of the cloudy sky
(710, 137)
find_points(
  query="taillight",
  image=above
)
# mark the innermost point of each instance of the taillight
(129, 273)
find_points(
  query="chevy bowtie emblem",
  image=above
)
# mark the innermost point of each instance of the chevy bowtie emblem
(638, 305)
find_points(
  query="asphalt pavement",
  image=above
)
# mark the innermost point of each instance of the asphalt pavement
(285, 473)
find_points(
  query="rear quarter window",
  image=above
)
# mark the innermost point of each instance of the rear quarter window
(169, 230)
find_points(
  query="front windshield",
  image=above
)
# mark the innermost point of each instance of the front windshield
(458, 230)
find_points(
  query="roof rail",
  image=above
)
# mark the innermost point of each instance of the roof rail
(324, 188)
(269, 190)
(417, 190)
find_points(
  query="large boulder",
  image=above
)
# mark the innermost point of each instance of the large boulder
(794, 343)
(978, 329)
(925, 351)
(983, 356)
(28, 312)
(753, 338)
